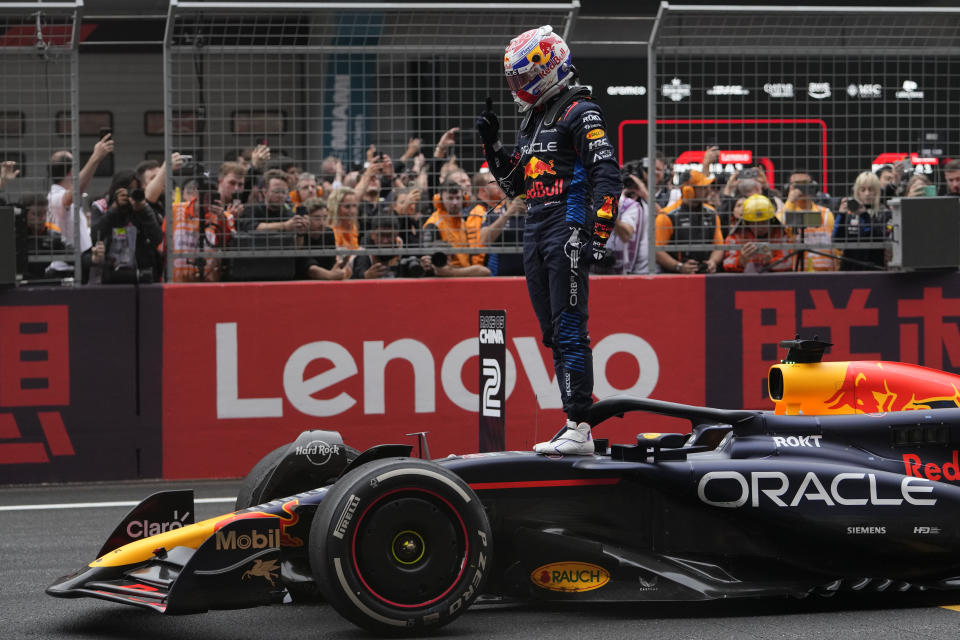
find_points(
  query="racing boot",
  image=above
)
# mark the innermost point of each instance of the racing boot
(575, 440)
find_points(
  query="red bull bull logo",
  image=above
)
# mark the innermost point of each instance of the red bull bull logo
(286, 521)
(536, 167)
(879, 387)
(606, 211)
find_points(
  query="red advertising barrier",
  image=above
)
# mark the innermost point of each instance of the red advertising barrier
(248, 366)
(906, 317)
(79, 384)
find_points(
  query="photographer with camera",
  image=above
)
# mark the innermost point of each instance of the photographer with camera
(692, 222)
(757, 229)
(801, 192)
(627, 244)
(275, 212)
(374, 266)
(126, 238)
(205, 219)
(862, 219)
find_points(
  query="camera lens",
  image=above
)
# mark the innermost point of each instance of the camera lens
(137, 195)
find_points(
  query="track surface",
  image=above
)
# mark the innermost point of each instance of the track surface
(37, 546)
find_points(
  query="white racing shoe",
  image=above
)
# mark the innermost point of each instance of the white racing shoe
(574, 441)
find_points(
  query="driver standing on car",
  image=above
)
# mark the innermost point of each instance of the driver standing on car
(563, 162)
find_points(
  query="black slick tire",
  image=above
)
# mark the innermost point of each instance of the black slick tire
(400, 546)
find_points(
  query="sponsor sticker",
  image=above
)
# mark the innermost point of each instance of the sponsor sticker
(318, 452)
(266, 569)
(594, 134)
(915, 467)
(570, 576)
(231, 541)
(866, 531)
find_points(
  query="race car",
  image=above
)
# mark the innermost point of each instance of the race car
(746, 504)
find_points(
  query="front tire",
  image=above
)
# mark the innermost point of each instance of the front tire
(400, 546)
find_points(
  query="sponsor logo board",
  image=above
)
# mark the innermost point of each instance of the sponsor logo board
(779, 89)
(676, 90)
(818, 90)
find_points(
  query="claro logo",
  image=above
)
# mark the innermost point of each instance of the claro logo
(304, 394)
(146, 528)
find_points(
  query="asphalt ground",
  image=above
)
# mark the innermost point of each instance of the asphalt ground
(39, 544)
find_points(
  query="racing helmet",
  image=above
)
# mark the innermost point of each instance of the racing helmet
(537, 64)
(758, 208)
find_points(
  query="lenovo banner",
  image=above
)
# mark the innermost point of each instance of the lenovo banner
(79, 395)
(249, 366)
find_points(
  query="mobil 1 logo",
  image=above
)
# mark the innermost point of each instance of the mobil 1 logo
(493, 358)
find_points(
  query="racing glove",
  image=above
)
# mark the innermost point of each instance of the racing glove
(602, 228)
(488, 125)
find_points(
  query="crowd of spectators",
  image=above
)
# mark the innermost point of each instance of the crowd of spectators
(423, 216)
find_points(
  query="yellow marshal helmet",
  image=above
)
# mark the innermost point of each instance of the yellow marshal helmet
(758, 208)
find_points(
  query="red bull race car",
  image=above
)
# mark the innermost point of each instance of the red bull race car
(850, 484)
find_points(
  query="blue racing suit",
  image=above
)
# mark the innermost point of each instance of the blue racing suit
(564, 164)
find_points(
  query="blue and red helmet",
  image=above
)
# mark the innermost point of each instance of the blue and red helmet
(537, 64)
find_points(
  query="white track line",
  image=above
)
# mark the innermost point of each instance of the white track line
(97, 505)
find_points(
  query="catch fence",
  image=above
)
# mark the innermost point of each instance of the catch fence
(817, 94)
(38, 117)
(346, 81)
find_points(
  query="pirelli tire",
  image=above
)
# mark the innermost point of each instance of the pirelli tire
(400, 546)
(252, 489)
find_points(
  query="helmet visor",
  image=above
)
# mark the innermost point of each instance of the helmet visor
(521, 81)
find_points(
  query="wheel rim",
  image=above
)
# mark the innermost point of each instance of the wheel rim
(410, 547)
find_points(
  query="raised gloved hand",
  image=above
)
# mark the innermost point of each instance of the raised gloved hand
(488, 125)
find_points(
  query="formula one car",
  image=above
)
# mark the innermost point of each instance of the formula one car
(747, 504)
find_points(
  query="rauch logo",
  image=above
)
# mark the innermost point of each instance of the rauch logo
(570, 576)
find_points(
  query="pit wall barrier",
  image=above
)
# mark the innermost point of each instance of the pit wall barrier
(199, 381)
